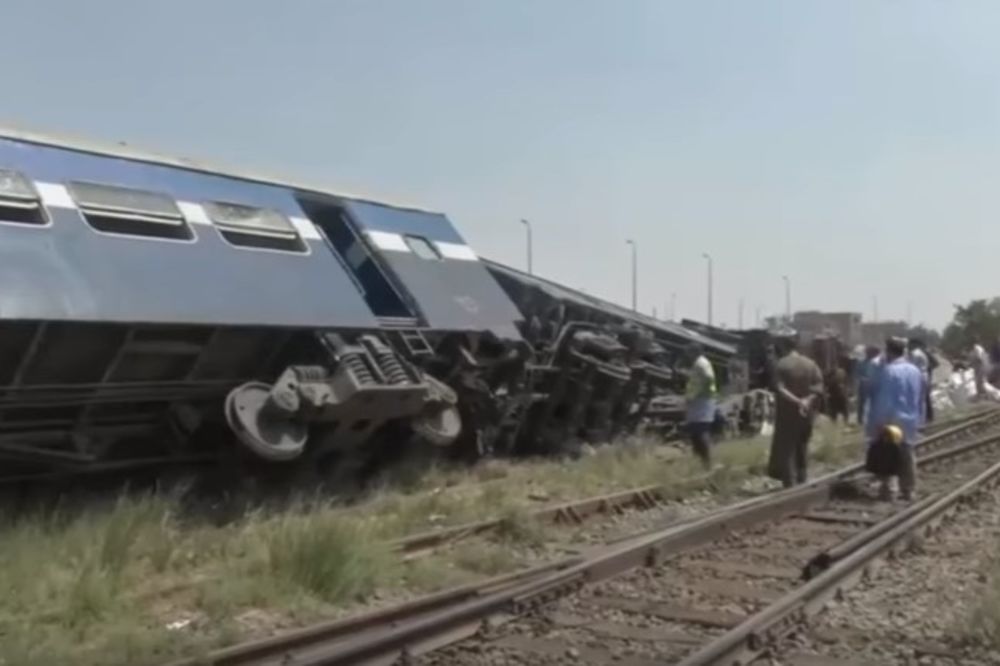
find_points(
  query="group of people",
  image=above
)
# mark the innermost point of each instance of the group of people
(893, 402)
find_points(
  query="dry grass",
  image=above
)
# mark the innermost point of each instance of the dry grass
(133, 583)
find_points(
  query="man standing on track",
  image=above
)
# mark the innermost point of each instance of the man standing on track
(700, 398)
(866, 375)
(897, 400)
(918, 355)
(799, 383)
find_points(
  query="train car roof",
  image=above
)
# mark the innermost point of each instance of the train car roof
(557, 290)
(125, 151)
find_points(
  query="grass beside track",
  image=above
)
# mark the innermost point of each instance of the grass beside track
(138, 582)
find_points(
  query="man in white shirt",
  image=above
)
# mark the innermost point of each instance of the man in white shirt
(980, 366)
(700, 403)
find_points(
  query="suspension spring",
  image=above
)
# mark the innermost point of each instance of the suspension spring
(391, 367)
(357, 365)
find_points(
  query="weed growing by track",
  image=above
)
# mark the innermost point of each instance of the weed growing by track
(137, 582)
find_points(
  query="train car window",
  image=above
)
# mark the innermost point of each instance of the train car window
(19, 200)
(247, 226)
(122, 210)
(422, 247)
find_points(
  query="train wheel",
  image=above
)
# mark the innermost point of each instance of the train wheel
(270, 437)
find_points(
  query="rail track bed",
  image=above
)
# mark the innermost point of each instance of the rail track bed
(923, 608)
(719, 587)
(573, 513)
(662, 614)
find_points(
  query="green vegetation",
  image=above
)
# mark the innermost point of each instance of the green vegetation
(977, 321)
(135, 582)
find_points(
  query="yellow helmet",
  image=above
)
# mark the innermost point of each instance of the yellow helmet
(893, 434)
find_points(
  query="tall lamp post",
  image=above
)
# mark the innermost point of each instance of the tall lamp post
(788, 299)
(708, 258)
(635, 274)
(527, 228)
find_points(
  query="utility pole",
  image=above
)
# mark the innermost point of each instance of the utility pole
(708, 258)
(757, 314)
(788, 300)
(739, 319)
(527, 228)
(635, 274)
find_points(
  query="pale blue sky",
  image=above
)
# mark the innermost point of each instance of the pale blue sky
(854, 146)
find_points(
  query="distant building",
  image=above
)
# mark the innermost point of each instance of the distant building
(875, 333)
(844, 325)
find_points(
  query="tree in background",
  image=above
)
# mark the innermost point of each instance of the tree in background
(979, 321)
(930, 336)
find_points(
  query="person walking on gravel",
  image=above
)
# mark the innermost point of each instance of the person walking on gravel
(897, 400)
(700, 403)
(799, 384)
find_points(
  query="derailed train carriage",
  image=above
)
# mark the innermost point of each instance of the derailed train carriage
(149, 307)
(602, 370)
(144, 302)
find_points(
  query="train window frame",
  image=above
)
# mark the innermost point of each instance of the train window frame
(428, 251)
(27, 207)
(256, 238)
(129, 218)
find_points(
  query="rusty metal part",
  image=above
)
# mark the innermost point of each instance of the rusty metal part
(419, 626)
(266, 650)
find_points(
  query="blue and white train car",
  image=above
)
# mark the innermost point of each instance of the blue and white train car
(138, 294)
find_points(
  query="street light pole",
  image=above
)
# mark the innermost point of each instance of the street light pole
(788, 299)
(635, 274)
(708, 257)
(527, 228)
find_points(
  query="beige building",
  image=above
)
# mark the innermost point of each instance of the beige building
(844, 325)
(876, 332)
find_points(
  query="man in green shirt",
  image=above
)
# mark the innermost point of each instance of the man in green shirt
(798, 385)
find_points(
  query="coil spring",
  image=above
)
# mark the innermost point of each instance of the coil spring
(360, 369)
(310, 373)
(393, 370)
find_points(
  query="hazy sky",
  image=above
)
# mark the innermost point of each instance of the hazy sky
(854, 146)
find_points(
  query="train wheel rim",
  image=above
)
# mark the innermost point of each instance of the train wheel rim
(269, 438)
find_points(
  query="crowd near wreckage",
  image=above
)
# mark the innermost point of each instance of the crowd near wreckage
(154, 310)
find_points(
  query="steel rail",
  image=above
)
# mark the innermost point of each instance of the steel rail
(643, 497)
(382, 637)
(749, 639)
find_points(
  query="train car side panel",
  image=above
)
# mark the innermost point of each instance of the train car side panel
(68, 269)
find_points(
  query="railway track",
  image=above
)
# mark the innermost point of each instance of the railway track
(572, 610)
(576, 512)
(726, 604)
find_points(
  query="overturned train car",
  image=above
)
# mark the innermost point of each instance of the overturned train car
(154, 310)
(600, 370)
(148, 306)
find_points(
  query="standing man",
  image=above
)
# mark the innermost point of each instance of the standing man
(866, 375)
(836, 393)
(918, 356)
(897, 400)
(979, 361)
(799, 383)
(700, 399)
